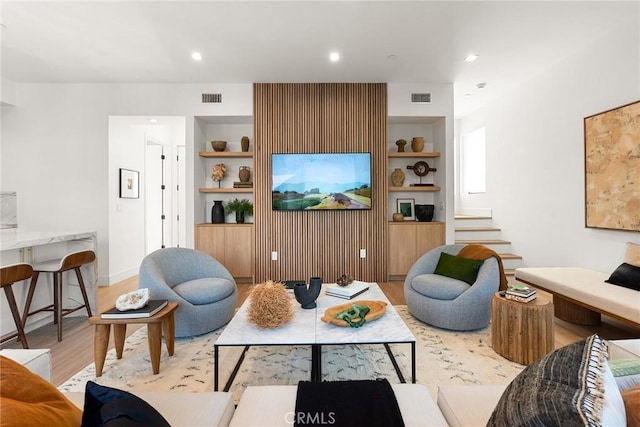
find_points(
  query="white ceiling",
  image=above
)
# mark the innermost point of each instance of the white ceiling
(267, 41)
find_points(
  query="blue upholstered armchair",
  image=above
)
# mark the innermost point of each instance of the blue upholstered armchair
(449, 303)
(203, 288)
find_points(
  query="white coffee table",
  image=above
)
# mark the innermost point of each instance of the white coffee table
(306, 328)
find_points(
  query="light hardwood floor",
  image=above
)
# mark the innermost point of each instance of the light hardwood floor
(75, 351)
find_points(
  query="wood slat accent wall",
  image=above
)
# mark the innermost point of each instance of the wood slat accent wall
(314, 118)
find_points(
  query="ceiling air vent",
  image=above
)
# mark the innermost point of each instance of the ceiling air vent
(421, 98)
(211, 98)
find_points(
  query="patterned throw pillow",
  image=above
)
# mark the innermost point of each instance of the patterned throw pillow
(564, 388)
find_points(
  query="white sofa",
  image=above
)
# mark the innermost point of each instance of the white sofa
(457, 405)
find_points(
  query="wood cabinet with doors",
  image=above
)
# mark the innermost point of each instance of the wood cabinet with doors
(408, 241)
(232, 245)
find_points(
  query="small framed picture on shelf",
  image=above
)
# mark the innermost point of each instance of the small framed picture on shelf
(129, 184)
(407, 207)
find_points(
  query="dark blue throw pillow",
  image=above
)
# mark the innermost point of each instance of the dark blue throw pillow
(110, 407)
(626, 275)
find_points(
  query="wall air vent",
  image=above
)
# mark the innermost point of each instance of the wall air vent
(421, 98)
(211, 98)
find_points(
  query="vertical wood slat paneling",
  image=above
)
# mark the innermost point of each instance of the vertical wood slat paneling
(313, 118)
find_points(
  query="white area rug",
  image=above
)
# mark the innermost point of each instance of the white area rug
(442, 357)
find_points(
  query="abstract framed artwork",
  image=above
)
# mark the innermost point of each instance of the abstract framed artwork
(612, 168)
(407, 208)
(129, 184)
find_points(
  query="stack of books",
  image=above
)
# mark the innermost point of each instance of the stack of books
(520, 293)
(237, 184)
(347, 292)
(149, 310)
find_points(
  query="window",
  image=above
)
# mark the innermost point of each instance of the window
(473, 163)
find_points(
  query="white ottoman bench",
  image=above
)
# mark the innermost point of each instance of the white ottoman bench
(275, 406)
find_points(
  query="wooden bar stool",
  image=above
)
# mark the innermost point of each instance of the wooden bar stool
(72, 261)
(8, 276)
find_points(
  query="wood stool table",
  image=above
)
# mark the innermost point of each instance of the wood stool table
(156, 324)
(521, 332)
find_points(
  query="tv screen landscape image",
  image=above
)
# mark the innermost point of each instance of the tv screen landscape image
(321, 181)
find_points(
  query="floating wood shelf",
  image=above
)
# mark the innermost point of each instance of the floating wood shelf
(412, 154)
(226, 190)
(214, 154)
(434, 188)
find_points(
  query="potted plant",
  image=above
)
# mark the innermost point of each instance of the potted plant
(242, 208)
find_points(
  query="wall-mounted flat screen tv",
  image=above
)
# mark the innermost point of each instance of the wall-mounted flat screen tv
(321, 181)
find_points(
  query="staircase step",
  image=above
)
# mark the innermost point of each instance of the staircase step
(463, 229)
(510, 256)
(484, 242)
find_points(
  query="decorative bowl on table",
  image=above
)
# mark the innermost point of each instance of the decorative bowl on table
(219, 145)
(376, 310)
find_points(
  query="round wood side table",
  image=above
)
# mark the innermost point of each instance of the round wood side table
(521, 332)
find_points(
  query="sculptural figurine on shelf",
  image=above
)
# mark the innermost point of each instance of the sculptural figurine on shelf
(219, 171)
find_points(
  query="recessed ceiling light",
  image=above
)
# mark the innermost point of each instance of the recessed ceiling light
(392, 57)
(471, 57)
(481, 85)
(467, 94)
(334, 56)
(197, 56)
(153, 120)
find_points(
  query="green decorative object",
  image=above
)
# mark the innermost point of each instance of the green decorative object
(355, 312)
(242, 208)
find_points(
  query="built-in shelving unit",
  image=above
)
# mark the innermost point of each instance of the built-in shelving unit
(230, 243)
(408, 240)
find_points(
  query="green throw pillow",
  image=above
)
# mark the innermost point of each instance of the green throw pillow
(459, 268)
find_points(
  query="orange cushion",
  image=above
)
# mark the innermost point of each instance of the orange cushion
(27, 399)
(631, 399)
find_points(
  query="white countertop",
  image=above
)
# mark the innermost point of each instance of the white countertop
(16, 238)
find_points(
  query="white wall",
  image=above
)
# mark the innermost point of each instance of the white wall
(55, 148)
(535, 154)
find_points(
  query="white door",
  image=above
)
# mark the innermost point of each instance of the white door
(154, 199)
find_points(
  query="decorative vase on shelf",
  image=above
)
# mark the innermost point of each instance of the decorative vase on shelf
(398, 217)
(397, 177)
(307, 296)
(424, 213)
(244, 143)
(240, 217)
(417, 144)
(217, 212)
(244, 174)
(401, 143)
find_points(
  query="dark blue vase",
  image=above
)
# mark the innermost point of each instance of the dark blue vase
(307, 296)
(217, 212)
